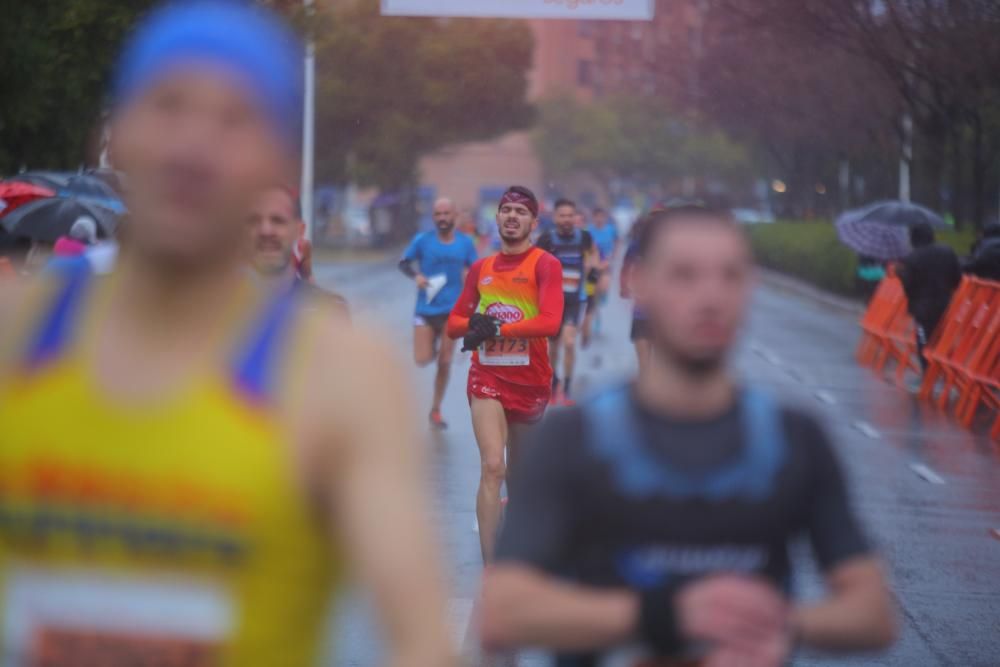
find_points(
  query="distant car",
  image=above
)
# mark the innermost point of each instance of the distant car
(752, 216)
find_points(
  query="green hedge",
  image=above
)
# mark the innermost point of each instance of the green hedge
(811, 251)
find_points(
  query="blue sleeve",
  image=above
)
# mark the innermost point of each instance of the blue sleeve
(412, 251)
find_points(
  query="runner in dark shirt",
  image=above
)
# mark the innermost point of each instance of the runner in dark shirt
(575, 249)
(650, 526)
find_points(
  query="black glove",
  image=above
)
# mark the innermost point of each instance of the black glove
(473, 340)
(484, 325)
(481, 328)
(594, 276)
(658, 621)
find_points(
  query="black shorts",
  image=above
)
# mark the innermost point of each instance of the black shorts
(571, 312)
(640, 329)
(437, 323)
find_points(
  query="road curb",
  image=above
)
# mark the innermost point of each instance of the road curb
(804, 290)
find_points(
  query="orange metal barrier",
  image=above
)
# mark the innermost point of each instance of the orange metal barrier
(6, 268)
(963, 355)
(889, 332)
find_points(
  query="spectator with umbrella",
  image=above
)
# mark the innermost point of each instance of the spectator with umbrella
(879, 234)
(930, 275)
(46, 220)
(985, 260)
(82, 234)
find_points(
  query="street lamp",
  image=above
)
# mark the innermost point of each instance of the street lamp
(308, 128)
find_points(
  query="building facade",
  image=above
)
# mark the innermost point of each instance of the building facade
(585, 59)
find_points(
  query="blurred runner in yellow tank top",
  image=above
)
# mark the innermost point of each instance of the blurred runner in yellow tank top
(177, 486)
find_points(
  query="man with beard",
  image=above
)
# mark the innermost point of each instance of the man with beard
(442, 258)
(511, 305)
(651, 525)
(275, 228)
(189, 462)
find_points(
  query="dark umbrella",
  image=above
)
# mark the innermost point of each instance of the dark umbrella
(896, 213)
(878, 241)
(88, 187)
(48, 219)
(93, 190)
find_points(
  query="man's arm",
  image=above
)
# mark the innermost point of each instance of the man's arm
(550, 304)
(411, 254)
(523, 607)
(858, 614)
(740, 621)
(468, 301)
(379, 500)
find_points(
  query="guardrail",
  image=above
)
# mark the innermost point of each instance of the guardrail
(963, 355)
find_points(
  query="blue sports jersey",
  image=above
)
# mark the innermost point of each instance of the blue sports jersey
(437, 258)
(605, 237)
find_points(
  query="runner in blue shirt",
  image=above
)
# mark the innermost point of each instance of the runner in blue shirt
(604, 231)
(442, 258)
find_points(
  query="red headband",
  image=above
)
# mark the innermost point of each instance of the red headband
(513, 197)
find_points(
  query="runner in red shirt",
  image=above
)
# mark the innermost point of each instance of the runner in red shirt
(510, 306)
(302, 256)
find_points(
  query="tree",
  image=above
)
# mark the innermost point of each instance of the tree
(939, 58)
(392, 89)
(809, 107)
(57, 59)
(634, 138)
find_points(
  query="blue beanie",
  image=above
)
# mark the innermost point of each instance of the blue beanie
(247, 42)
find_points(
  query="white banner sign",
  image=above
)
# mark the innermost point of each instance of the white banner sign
(628, 10)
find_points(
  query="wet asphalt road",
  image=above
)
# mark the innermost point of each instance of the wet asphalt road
(928, 491)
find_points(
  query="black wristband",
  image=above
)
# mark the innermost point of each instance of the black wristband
(658, 623)
(407, 268)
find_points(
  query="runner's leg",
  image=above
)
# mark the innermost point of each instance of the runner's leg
(489, 422)
(423, 343)
(568, 342)
(445, 354)
(590, 308)
(555, 344)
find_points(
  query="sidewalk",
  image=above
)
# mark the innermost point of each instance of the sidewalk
(800, 288)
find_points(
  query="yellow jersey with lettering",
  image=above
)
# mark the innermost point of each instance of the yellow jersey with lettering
(173, 533)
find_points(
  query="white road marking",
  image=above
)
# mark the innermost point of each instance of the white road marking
(459, 615)
(926, 474)
(796, 374)
(766, 354)
(825, 397)
(867, 429)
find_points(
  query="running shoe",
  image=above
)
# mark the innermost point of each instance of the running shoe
(437, 421)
